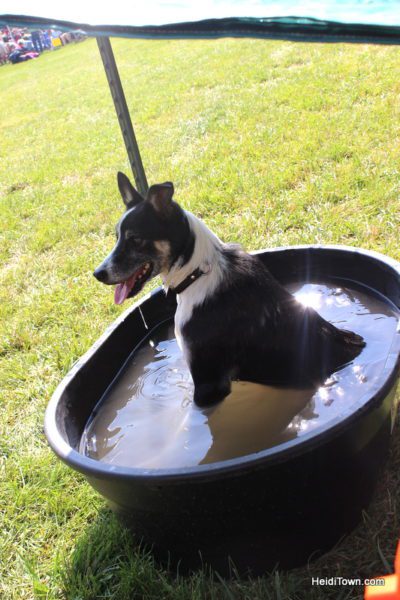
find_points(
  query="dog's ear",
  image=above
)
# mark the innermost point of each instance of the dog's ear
(130, 196)
(160, 196)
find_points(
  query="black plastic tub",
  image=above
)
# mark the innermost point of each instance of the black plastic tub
(281, 505)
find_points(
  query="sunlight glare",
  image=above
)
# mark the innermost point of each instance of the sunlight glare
(309, 299)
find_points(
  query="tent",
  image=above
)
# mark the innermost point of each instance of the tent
(353, 21)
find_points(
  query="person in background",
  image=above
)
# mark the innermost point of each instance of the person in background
(47, 40)
(26, 43)
(37, 41)
(66, 38)
(16, 34)
(55, 34)
(19, 55)
(3, 53)
(11, 46)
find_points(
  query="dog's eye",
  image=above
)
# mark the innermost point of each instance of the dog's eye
(134, 239)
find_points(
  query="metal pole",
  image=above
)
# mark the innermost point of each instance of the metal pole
(124, 118)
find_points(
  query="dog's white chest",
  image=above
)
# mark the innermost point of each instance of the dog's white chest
(178, 335)
(182, 315)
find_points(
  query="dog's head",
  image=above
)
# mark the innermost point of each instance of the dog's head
(151, 235)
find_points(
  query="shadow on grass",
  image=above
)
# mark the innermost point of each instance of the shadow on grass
(109, 563)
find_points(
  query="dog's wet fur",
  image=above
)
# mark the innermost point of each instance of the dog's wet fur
(236, 321)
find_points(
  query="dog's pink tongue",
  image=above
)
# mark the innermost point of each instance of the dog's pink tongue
(122, 290)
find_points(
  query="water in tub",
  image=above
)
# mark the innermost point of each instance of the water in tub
(147, 418)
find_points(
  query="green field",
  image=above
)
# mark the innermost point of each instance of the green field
(271, 143)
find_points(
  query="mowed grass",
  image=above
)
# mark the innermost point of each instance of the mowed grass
(272, 143)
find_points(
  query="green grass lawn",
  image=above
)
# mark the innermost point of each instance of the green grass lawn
(271, 143)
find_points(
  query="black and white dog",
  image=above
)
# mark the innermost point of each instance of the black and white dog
(233, 319)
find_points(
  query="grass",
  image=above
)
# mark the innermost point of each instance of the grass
(271, 143)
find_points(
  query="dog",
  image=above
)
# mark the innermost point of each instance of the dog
(233, 320)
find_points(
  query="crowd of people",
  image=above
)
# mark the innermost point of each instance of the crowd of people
(19, 45)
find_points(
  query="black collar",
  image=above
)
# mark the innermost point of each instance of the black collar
(189, 280)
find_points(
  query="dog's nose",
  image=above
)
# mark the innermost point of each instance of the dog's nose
(101, 274)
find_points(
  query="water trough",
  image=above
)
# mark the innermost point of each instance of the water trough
(280, 505)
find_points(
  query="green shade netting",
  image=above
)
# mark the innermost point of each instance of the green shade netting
(325, 20)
